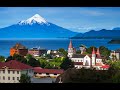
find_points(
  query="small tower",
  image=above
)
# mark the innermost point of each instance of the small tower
(93, 57)
(70, 49)
(98, 53)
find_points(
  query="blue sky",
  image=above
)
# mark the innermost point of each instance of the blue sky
(80, 19)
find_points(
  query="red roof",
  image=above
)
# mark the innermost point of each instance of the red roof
(78, 63)
(98, 64)
(13, 64)
(37, 68)
(98, 53)
(51, 71)
(105, 66)
(70, 45)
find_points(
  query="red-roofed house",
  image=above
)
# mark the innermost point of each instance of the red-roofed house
(39, 72)
(11, 71)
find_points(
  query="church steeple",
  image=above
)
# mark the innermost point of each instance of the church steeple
(70, 49)
(93, 51)
(98, 53)
(70, 44)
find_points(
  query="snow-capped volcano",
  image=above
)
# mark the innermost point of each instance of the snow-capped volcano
(35, 27)
(34, 19)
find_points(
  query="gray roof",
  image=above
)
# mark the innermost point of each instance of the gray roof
(78, 56)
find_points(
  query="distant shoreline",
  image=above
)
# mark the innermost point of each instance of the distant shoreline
(113, 41)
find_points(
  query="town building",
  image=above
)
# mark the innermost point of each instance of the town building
(18, 49)
(71, 49)
(37, 51)
(82, 48)
(93, 60)
(53, 73)
(115, 54)
(55, 53)
(10, 72)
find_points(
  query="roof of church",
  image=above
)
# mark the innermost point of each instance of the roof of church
(93, 51)
(19, 46)
(78, 56)
(70, 44)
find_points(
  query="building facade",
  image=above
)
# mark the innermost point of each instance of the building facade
(115, 55)
(18, 49)
(11, 71)
(37, 51)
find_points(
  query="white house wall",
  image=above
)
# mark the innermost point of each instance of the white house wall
(11, 75)
(86, 58)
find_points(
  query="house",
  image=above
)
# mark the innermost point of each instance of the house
(93, 60)
(53, 73)
(10, 72)
(115, 55)
(37, 51)
(18, 49)
(55, 53)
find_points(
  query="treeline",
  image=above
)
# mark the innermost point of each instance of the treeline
(43, 62)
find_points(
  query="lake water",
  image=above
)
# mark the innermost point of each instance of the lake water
(54, 44)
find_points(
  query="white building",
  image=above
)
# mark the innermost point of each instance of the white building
(115, 55)
(71, 49)
(87, 61)
(10, 72)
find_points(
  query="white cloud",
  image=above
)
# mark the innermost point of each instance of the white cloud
(92, 12)
(84, 29)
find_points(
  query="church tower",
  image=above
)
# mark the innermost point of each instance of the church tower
(98, 53)
(93, 56)
(70, 49)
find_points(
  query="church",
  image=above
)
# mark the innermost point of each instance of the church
(93, 60)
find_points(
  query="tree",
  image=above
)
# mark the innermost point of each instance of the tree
(25, 79)
(104, 51)
(33, 62)
(2, 59)
(9, 58)
(89, 50)
(28, 56)
(19, 58)
(67, 63)
(63, 51)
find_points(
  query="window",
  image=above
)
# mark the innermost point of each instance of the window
(13, 78)
(8, 71)
(3, 71)
(17, 78)
(8, 78)
(39, 73)
(17, 72)
(35, 73)
(47, 73)
(3, 77)
(55, 74)
(13, 72)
